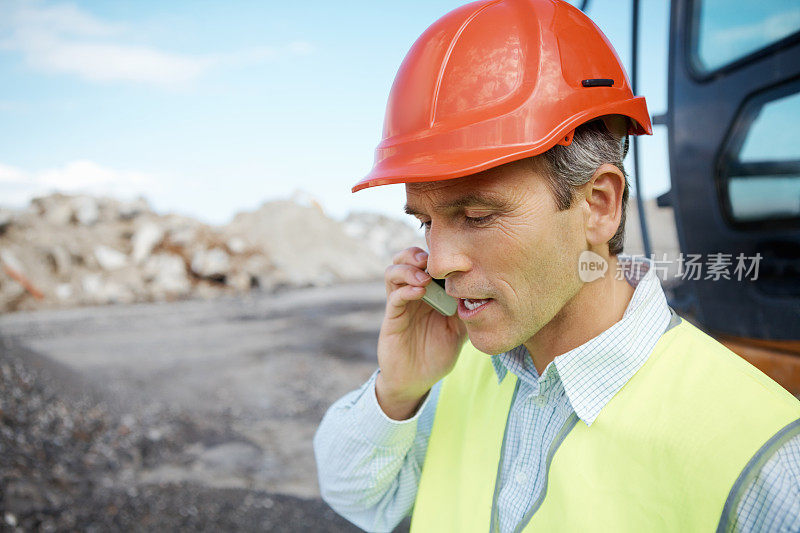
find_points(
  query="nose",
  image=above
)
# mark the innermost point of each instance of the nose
(447, 254)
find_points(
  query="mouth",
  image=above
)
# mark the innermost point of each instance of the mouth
(469, 307)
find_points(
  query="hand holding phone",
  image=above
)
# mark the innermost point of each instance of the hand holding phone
(420, 337)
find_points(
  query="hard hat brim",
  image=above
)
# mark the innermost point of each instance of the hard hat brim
(409, 164)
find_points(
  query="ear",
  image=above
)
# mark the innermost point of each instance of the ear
(603, 196)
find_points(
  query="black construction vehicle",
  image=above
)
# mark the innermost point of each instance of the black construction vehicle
(733, 123)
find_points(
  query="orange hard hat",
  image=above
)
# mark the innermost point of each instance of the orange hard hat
(495, 81)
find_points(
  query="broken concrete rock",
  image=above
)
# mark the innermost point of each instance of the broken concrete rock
(92, 285)
(131, 209)
(64, 291)
(167, 275)
(237, 245)
(181, 231)
(86, 210)
(241, 281)
(211, 264)
(59, 215)
(147, 236)
(109, 258)
(60, 260)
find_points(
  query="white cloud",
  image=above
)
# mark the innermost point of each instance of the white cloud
(31, 17)
(11, 176)
(109, 62)
(258, 54)
(60, 38)
(18, 186)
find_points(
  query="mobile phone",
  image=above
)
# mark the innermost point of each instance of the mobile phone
(438, 299)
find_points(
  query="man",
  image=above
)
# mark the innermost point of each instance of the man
(552, 401)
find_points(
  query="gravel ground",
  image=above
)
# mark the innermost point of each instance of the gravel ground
(67, 463)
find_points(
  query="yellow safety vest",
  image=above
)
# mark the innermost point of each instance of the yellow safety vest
(672, 451)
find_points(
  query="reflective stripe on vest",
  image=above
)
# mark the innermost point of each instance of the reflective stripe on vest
(663, 455)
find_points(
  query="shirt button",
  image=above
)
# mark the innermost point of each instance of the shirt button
(520, 478)
(540, 400)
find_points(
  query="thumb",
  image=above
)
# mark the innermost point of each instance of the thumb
(456, 325)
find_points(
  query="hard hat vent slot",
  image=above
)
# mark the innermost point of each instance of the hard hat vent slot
(598, 82)
(566, 140)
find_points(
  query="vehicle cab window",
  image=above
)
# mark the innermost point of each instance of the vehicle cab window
(762, 173)
(726, 32)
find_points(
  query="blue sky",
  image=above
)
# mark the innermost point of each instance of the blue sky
(210, 108)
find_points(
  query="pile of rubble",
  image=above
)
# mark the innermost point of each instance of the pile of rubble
(64, 251)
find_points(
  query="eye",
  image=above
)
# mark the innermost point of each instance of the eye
(477, 221)
(426, 225)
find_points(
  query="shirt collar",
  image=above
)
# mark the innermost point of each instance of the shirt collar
(595, 371)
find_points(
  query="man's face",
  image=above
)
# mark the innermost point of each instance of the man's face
(498, 235)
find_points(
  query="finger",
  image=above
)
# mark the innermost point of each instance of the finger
(399, 298)
(396, 275)
(412, 256)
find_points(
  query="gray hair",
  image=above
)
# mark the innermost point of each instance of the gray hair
(570, 167)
